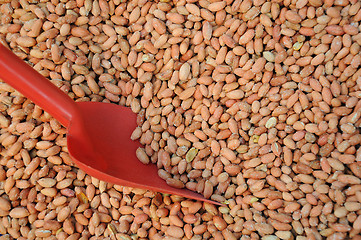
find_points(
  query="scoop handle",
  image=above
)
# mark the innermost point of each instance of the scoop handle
(37, 88)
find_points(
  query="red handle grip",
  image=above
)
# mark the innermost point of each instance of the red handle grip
(37, 88)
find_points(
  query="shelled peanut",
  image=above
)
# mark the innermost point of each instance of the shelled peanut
(251, 103)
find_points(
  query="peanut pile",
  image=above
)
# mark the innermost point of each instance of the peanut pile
(255, 104)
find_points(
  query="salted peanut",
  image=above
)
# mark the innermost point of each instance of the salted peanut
(26, 41)
(187, 93)
(293, 17)
(47, 182)
(207, 30)
(349, 179)
(341, 227)
(292, 207)
(235, 94)
(264, 228)
(275, 204)
(175, 183)
(50, 192)
(175, 232)
(219, 223)
(51, 225)
(228, 235)
(175, 18)
(229, 154)
(79, 32)
(334, 30)
(356, 222)
(184, 72)
(246, 37)
(19, 212)
(265, 20)
(142, 156)
(64, 214)
(216, 6)
(58, 201)
(5, 204)
(81, 219)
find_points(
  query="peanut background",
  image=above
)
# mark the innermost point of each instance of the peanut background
(252, 103)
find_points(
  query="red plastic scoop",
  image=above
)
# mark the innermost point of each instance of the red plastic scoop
(98, 133)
